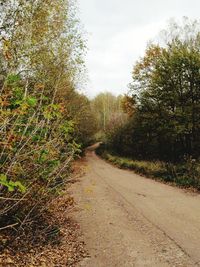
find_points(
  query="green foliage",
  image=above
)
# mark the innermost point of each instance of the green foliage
(44, 121)
(31, 101)
(12, 79)
(67, 129)
(11, 186)
(164, 104)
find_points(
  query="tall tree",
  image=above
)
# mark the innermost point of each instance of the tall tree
(165, 120)
(108, 108)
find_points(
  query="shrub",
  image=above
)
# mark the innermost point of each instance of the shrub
(36, 148)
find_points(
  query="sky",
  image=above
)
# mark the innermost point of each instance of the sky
(118, 32)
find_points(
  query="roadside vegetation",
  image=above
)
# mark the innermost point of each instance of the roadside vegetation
(160, 138)
(185, 175)
(45, 122)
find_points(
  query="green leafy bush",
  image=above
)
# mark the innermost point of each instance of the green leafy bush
(10, 185)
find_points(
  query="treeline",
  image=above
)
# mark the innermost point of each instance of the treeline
(44, 121)
(109, 115)
(164, 100)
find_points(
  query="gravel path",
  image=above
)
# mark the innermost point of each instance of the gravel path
(128, 220)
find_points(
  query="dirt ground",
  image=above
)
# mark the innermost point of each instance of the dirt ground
(58, 243)
(128, 220)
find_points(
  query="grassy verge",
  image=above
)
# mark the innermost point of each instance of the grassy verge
(186, 175)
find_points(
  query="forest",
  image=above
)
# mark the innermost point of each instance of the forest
(160, 135)
(46, 122)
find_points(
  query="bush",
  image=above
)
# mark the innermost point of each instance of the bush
(36, 148)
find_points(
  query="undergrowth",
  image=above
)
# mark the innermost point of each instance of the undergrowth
(185, 174)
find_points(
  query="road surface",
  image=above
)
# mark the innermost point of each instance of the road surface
(128, 220)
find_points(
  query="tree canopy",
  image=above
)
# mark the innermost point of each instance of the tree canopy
(164, 99)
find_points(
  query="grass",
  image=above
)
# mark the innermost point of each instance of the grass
(186, 174)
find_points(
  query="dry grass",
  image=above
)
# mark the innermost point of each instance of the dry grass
(185, 174)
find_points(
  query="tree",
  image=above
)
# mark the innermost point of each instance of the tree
(108, 109)
(166, 99)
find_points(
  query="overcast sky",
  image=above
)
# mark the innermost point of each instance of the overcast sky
(118, 32)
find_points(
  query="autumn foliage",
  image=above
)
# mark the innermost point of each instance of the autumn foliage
(164, 100)
(41, 65)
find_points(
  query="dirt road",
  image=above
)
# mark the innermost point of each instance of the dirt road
(128, 220)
